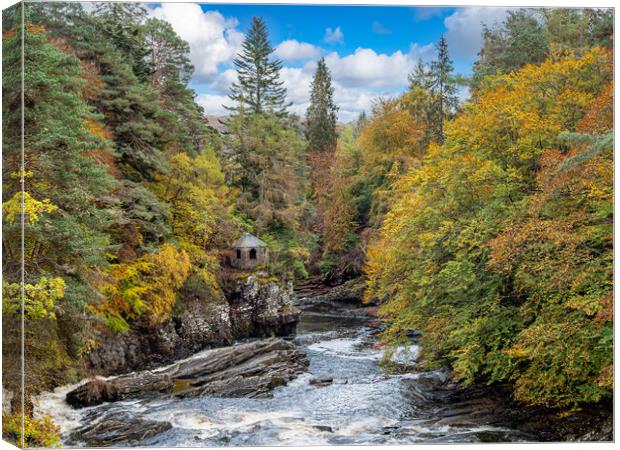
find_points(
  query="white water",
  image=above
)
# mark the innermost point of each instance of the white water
(362, 406)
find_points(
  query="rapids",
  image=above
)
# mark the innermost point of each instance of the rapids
(363, 405)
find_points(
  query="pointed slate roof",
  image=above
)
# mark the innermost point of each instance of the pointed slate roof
(248, 241)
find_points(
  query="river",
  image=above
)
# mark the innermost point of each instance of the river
(363, 405)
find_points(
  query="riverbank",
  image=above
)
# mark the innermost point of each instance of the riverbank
(345, 397)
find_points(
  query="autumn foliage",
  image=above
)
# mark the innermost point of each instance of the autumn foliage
(499, 247)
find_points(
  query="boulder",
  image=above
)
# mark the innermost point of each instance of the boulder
(112, 431)
(253, 305)
(322, 380)
(250, 369)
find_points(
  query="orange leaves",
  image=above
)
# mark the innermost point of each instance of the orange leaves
(94, 84)
(103, 156)
(599, 118)
(98, 129)
(523, 112)
(35, 28)
(393, 134)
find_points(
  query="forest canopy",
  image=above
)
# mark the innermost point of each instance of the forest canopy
(484, 224)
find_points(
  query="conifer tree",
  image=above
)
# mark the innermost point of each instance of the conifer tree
(443, 90)
(419, 78)
(259, 88)
(123, 23)
(321, 114)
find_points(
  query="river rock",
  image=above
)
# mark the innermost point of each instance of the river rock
(7, 398)
(261, 306)
(112, 431)
(251, 369)
(322, 380)
(97, 391)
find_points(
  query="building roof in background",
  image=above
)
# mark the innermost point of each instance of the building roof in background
(248, 241)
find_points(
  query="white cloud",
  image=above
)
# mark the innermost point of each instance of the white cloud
(366, 68)
(427, 12)
(334, 36)
(221, 84)
(350, 100)
(358, 78)
(214, 104)
(424, 52)
(293, 50)
(464, 35)
(213, 39)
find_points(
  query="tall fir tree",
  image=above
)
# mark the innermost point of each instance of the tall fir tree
(259, 88)
(321, 115)
(123, 23)
(442, 87)
(420, 77)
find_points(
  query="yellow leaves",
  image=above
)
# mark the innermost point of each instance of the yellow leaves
(148, 285)
(606, 377)
(39, 299)
(517, 352)
(393, 134)
(33, 208)
(524, 112)
(36, 432)
(590, 306)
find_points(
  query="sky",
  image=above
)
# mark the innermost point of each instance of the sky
(370, 50)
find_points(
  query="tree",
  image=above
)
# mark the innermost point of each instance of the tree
(259, 88)
(268, 168)
(321, 115)
(168, 54)
(528, 36)
(519, 40)
(443, 90)
(420, 77)
(498, 245)
(123, 24)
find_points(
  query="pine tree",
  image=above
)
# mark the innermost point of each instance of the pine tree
(443, 90)
(169, 54)
(321, 114)
(419, 78)
(259, 88)
(124, 25)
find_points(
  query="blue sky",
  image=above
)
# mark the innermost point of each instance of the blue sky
(369, 49)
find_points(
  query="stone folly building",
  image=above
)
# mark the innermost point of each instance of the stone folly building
(249, 252)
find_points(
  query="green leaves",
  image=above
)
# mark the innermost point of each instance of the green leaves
(498, 245)
(259, 89)
(321, 114)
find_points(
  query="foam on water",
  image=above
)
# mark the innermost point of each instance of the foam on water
(362, 406)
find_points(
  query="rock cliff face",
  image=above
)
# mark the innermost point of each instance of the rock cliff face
(252, 306)
(261, 307)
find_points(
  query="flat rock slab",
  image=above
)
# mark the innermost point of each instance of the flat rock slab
(111, 432)
(251, 369)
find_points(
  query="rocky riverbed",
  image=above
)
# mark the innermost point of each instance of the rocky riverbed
(335, 392)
